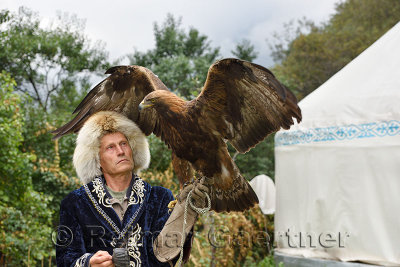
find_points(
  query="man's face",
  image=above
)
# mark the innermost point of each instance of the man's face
(115, 154)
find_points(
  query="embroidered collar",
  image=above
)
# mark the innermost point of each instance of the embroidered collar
(134, 179)
(100, 200)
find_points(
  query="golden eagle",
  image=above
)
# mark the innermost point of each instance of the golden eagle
(240, 102)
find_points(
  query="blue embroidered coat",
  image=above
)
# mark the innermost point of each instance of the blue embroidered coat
(88, 223)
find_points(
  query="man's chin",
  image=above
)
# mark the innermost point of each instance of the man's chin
(126, 168)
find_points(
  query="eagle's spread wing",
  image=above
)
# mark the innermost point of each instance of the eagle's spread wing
(244, 102)
(122, 92)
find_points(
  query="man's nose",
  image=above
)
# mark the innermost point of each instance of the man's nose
(120, 151)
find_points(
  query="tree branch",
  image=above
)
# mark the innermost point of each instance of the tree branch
(39, 100)
(36, 92)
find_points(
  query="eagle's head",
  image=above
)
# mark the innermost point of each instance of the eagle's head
(162, 101)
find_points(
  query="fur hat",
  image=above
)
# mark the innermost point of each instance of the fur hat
(86, 155)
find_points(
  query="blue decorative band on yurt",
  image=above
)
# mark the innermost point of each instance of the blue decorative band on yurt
(334, 133)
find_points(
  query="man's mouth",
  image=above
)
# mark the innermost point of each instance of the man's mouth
(122, 160)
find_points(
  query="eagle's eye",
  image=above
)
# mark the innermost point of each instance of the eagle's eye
(152, 100)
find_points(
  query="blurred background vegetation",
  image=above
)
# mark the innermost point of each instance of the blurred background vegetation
(46, 71)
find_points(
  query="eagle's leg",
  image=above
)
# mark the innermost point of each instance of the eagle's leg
(201, 178)
(183, 170)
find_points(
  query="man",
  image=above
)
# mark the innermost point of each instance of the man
(116, 217)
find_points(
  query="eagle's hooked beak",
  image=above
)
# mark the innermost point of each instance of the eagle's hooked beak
(144, 105)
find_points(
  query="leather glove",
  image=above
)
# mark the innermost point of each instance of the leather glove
(167, 244)
(198, 194)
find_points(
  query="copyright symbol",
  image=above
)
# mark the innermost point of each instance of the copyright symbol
(217, 237)
(62, 236)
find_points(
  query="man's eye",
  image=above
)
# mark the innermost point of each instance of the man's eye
(109, 147)
(124, 143)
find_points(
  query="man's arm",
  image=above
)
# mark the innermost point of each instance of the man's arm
(70, 247)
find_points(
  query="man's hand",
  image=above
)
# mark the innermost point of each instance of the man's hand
(101, 259)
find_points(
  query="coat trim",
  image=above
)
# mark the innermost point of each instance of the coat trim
(96, 193)
(134, 242)
(82, 261)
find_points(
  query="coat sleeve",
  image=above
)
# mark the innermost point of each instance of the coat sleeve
(70, 247)
(163, 211)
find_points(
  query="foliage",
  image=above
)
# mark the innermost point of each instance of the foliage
(14, 164)
(46, 62)
(160, 154)
(259, 160)
(165, 179)
(24, 229)
(308, 55)
(268, 261)
(180, 59)
(232, 239)
(245, 50)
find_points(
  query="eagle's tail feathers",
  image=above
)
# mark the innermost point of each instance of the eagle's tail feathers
(239, 197)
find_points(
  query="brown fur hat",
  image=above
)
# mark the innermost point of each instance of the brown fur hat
(86, 156)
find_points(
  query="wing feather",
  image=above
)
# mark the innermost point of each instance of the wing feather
(122, 92)
(244, 103)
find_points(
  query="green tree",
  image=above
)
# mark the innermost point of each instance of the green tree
(181, 59)
(49, 64)
(311, 54)
(25, 229)
(11, 158)
(53, 66)
(245, 50)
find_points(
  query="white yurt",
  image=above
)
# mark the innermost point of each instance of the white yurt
(337, 173)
